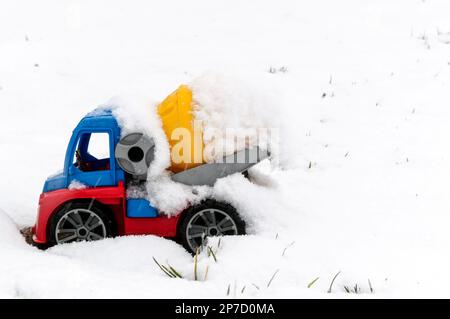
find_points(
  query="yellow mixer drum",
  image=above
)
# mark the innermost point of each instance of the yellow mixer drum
(183, 133)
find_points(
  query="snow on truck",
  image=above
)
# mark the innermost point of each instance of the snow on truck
(88, 200)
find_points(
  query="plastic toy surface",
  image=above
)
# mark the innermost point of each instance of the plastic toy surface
(176, 113)
(104, 182)
(87, 200)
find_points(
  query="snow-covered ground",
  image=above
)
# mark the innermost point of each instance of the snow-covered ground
(364, 106)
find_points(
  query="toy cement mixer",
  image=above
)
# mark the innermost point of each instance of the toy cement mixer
(89, 198)
(135, 151)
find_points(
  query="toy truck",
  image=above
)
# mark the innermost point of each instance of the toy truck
(99, 208)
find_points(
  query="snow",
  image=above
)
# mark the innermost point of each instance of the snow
(76, 185)
(170, 197)
(229, 109)
(137, 114)
(136, 190)
(363, 110)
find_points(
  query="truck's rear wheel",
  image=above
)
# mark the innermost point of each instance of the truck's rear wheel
(79, 222)
(208, 219)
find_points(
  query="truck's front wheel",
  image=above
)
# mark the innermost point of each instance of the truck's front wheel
(209, 218)
(79, 222)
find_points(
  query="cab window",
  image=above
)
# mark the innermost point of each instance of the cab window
(92, 152)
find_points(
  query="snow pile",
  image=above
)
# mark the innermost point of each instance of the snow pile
(234, 112)
(171, 197)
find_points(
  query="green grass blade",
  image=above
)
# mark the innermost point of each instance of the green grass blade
(313, 282)
(332, 282)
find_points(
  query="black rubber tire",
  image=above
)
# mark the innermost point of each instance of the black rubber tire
(190, 212)
(97, 209)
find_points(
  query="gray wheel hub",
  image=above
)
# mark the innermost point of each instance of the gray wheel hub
(79, 225)
(209, 222)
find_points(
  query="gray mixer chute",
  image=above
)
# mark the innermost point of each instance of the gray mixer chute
(134, 153)
(208, 174)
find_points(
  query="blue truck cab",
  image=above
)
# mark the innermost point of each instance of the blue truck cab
(84, 168)
(95, 172)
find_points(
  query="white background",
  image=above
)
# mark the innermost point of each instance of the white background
(364, 185)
